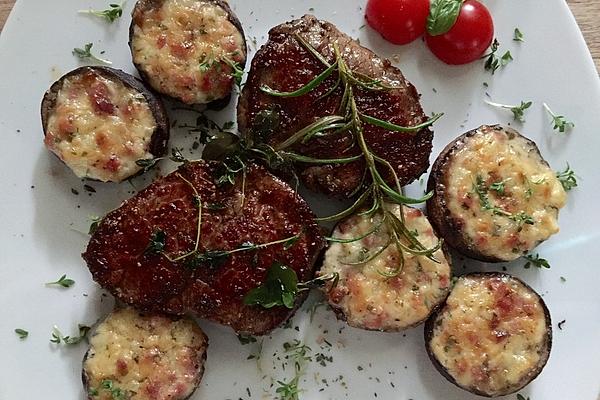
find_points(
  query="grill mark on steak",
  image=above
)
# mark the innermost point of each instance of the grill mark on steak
(117, 258)
(285, 65)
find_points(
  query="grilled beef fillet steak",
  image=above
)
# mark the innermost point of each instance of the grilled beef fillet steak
(120, 259)
(284, 64)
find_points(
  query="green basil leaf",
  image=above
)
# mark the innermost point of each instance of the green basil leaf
(442, 16)
(279, 289)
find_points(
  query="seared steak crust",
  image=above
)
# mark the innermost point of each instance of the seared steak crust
(284, 64)
(118, 257)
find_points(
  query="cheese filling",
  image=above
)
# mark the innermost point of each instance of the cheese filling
(182, 47)
(366, 296)
(100, 127)
(491, 333)
(505, 198)
(144, 357)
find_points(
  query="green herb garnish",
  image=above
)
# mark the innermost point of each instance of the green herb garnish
(112, 13)
(246, 339)
(517, 110)
(536, 261)
(506, 58)
(62, 281)
(498, 187)
(481, 189)
(237, 71)
(281, 287)
(115, 392)
(567, 178)
(288, 390)
(95, 222)
(352, 121)
(86, 53)
(297, 352)
(58, 338)
(560, 123)
(442, 16)
(518, 36)
(157, 242)
(491, 59)
(22, 333)
(147, 163)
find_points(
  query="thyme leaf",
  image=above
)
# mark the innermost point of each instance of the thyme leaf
(21, 333)
(491, 59)
(518, 36)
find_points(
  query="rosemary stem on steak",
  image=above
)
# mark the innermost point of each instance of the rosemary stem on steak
(351, 120)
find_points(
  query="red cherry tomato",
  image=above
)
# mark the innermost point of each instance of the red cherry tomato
(468, 39)
(398, 21)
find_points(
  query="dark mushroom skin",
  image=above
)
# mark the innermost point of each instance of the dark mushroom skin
(144, 357)
(513, 319)
(93, 81)
(189, 67)
(494, 196)
(374, 295)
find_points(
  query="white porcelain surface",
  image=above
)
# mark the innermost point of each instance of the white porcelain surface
(41, 221)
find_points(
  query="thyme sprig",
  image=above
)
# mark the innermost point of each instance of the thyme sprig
(351, 119)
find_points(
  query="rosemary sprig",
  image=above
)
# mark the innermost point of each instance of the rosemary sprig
(352, 120)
